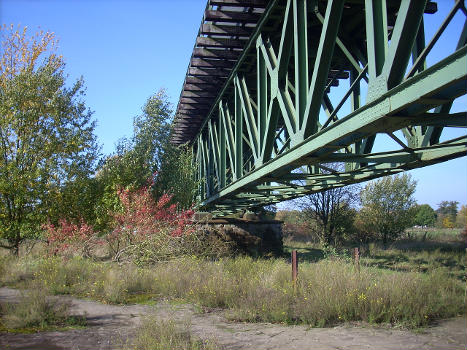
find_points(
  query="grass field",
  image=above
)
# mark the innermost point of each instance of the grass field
(426, 250)
(408, 287)
(409, 283)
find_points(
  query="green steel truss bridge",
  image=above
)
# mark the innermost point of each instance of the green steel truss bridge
(284, 98)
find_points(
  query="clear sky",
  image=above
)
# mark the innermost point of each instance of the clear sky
(126, 50)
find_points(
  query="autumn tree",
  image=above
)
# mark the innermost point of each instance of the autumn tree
(138, 159)
(46, 132)
(386, 205)
(447, 212)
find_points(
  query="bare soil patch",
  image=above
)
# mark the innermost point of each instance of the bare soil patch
(112, 326)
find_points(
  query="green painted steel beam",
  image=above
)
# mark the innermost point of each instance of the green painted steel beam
(309, 122)
(449, 74)
(263, 140)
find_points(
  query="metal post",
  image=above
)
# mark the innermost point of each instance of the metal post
(294, 268)
(357, 259)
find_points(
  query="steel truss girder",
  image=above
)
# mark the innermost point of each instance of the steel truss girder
(263, 141)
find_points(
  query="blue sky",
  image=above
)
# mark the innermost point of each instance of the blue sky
(128, 50)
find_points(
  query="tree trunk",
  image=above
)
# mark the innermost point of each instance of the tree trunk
(385, 239)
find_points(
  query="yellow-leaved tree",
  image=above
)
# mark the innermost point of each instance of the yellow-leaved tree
(46, 132)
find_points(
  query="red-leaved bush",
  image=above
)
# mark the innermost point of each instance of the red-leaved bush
(143, 227)
(66, 235)
(146, 229)
(142, 216)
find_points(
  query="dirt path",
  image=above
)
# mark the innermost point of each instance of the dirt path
(110, 326)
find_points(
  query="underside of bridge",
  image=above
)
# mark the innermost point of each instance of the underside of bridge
(284, 98)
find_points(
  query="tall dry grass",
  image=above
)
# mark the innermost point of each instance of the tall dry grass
(37, 311)
(328, 292)
(156, 334)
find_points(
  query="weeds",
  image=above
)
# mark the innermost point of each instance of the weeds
(35, 311)
(419, 257)
(328, 292)
(156, 334)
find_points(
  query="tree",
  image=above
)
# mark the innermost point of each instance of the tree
(332, 211)
(386, 206)
(177, 176)
(461, 219)
(424, 215)
(76, 201)
(138, 158)
(448, 208)
(46, 132)
(447, 212)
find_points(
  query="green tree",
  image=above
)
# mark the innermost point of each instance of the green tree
(76, 201)
(386, 205)
(138, 158)
(46, 133)
(145, 157)
(447, 212)
(461, 219)
(424, 215)
(176, 176)
(332, 211)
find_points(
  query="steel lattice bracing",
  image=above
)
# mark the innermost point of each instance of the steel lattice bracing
(316, 84)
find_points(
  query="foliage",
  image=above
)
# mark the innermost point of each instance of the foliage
(332, 211)
(144, 231)
(446, 214)
(424, 215)
(145, 220)
(46, 132)
(136, 159)
(76, 201)
(67, 237)
(447, 222)
(176, 176)
(289, 216)
(294, 226)
(461, 219)
(448, 208)
(149, 231)
(386, 205)
(148, 154)
(156, 334)
(328, 292)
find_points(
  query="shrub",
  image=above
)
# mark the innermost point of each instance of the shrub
(69, 238)
(146, 226)
(144, 231)
(386, 206)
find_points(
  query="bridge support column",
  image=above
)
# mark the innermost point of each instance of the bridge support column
(249, 235)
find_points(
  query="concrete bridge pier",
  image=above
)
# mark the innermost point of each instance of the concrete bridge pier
(250, 234)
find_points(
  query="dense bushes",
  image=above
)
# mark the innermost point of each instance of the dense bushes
(144, 231)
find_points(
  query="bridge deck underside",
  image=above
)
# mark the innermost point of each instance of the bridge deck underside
(329, 93)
